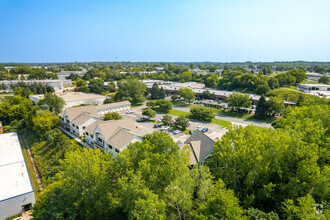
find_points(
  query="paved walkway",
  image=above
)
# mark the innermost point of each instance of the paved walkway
(237, 121)
(75, 137)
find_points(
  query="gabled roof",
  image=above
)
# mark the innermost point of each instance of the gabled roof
(76, 111)
(108, 128)
(121, 138)
(82, 118)
(201, 146)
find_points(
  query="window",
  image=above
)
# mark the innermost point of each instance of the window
(92, 136)
(87, 133)
(77, 127)
(110, 147)
(99, 139)
(117, 150)
(83, 127)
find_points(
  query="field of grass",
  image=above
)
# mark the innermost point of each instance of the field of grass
(310, 82)
(178, 113)
(30, 169)
(222, 123)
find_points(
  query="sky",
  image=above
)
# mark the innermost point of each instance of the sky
(164, 30)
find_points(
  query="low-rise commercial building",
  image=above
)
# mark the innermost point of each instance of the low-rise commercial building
(55, 83)
(315, 87)
(16, 191)
(315, 76)
(75, 98)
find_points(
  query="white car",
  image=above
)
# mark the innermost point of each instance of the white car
(164, 128)
(176, 132)
(129, 112)
(199, 128)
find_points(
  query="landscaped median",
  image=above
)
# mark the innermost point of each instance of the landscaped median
(220, 122)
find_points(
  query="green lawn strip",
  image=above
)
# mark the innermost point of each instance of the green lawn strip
(178, 113)
(220, 122)
(310, 82)
(30, 169)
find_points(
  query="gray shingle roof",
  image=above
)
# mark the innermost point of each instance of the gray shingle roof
(201, 145)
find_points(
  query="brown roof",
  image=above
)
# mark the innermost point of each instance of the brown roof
(194, 155)
(108, 128)
(76, 111)
(121, 138)
(112, 105)
(80, 119)
(90, 129)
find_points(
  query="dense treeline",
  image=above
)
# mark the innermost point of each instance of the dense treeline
(33, 73)
(25, 90)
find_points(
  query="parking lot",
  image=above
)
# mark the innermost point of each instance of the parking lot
(214, 131)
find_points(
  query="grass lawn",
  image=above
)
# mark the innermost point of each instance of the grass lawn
(222, 123)
(30, 169)
(178, 113)
(310, 82)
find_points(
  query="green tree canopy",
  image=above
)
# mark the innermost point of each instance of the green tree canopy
(131, 90)
(111, 116)
(239, 100)
(149, 113)
(186, 93)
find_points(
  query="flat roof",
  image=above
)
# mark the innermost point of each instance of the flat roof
(74, 96)
(315, 85)
(15, 178)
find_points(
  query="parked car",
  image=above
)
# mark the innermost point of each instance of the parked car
(129, 112)
(253, 107)
(199, 128)
(157, 125)
(164, 128)
(142, 120)
(204, 130)
(172, 122)
(176, 132)
(191, 132)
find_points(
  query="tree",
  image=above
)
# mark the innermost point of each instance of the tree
(111, 87)
(305, 209)
(206, 94)
(203, 114)
(111, 116)
(275, 106)
(270, 173)
(186, 76)
(164, 105)
(301, 99)
(182, 122)
(131, 90)
(96, 86)
(261, 109)
(262, 89)
(43, 122)
(81, 188)
(167, 119)
(54, 103)
(324, 80)
(239, 100)
(187, 93)
(273, 83)
(151, 103)
(81, 85)
(149, 113)
(154, 92)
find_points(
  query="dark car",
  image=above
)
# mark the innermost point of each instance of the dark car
(157, 125)
(142, 119)
(204, 130)
(191, 132)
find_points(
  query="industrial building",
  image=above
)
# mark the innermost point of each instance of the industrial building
(55, 83)
(16, 191)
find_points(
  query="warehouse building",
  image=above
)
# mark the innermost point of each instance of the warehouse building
(16, 191)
